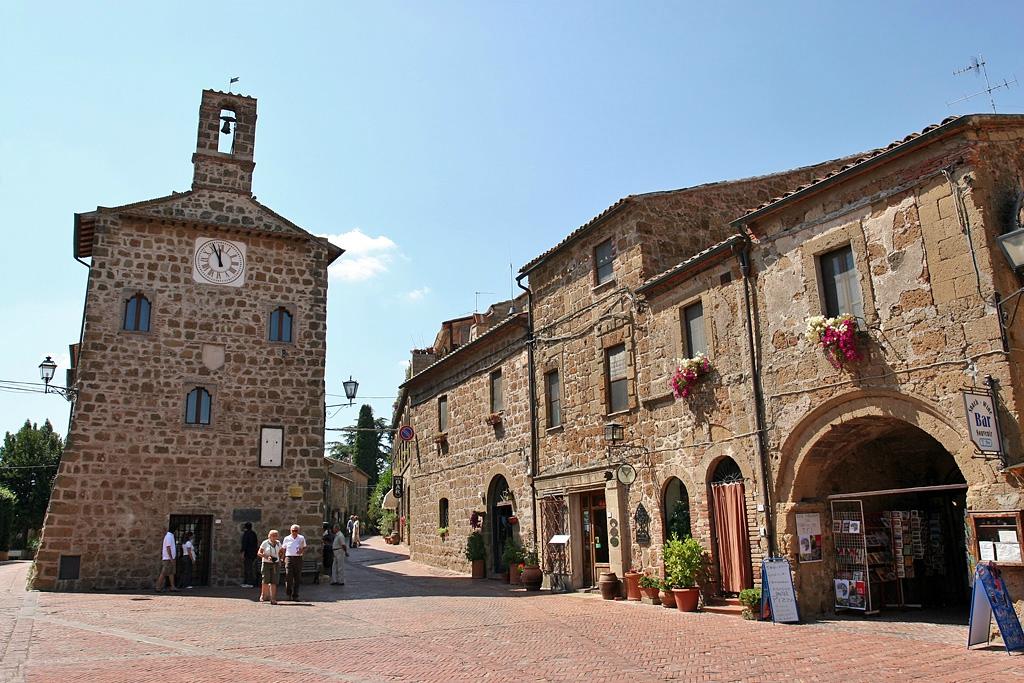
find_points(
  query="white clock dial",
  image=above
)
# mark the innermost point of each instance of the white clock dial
(219, 262)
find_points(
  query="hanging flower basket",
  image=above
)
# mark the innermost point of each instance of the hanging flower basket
(837, 336)
(494, 419)
(688, 373)
(513, 520)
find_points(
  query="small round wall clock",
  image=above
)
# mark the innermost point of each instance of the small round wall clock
(219, 262)
(626, 473)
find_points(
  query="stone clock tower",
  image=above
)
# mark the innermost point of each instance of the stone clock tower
(200, 375)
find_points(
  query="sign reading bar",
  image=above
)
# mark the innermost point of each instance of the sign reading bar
(989, 599)
(397, 485)
(982, 423)
(777, 591)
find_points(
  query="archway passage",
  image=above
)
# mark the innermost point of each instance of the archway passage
(676, 509)
(729, 523)
(896, 502)
(501, 508)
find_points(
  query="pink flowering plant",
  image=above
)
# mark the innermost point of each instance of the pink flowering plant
(688, 372)
(837, 336)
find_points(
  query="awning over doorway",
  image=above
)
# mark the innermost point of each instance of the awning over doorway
(888, 492)
(389, 502)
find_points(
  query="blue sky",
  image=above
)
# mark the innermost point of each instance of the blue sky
(440, 140)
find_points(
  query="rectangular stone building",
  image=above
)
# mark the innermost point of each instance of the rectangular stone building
(200, 375)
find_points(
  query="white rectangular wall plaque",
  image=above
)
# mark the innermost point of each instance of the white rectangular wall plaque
(271, 446)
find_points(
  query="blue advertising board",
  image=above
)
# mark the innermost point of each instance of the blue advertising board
(991, 599)
(778, 598)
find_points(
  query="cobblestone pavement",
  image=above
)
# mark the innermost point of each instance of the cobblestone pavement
(400, 621)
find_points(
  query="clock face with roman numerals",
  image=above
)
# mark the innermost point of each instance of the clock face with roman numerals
(219, 262)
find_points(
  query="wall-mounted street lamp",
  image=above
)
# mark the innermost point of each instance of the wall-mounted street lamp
(613, 434)
(351, 386)
(46, 371)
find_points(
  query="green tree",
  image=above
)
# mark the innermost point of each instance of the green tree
(380, 519)
(28, 465)
(8, 503)
(370, 444)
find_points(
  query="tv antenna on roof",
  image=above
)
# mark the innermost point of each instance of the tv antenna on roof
(977, 65)
(476, 305)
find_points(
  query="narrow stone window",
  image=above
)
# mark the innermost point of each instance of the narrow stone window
(197, 407)
(497, 402)
(226, 141)
(136, 314)
(280, 325)
(615, 371)
(442, 414)
(553, 391)
(840, 284)
(693, 330)
(442, 514)
(604, 257)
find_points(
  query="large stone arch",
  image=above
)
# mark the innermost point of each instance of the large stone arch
(856, 417)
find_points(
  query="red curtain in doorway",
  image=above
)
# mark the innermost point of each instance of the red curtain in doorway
(731, 534)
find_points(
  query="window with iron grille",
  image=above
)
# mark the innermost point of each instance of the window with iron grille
(136, 314)
(615, 370)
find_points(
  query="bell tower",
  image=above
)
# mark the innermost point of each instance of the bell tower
(223, 159)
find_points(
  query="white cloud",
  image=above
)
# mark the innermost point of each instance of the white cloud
(417, 294)
(364, 257)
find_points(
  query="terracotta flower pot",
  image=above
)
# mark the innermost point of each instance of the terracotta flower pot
(632, 585)
(513, 573)
(686, 598)
(651, 593)
(668, 599)
(609, 585)
(532, 577)
(479, 570)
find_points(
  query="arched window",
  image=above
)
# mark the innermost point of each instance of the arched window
(442, 514)
(280, 325)
(197, 407)
(727, 472)
(677, 510)
(136, 314)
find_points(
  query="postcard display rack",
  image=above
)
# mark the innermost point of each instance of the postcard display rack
(852, 586)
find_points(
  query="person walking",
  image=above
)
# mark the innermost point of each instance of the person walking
(340, 556)
(294, 548)
(168, 553)
(348, 528)
(270, 553)
(328, 547)
(188, 560)
(250, 546)
(356, 540)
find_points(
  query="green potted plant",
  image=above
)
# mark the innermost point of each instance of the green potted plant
(511, 556)
(649, 586)
(750, 598)
(685, 563)
(668, 599)
(442, 531)
(476, 551)
(532, 577)
(7, 502)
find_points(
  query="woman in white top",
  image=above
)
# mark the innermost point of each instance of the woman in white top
(270, 552)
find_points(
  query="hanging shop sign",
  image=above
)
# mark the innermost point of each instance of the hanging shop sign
(777, 592)
(808, 531)
(982, 422)
(991, 599)
(396, 485)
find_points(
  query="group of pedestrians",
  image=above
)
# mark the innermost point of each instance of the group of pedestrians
(271, 554)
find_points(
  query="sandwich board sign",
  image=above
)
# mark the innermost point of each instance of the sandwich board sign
(778, 597)
(990, 599)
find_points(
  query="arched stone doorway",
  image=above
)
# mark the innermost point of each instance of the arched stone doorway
(892, 499)
(675, 509)
(500, 507)
(730, 533)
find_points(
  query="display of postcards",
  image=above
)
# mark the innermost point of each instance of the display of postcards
(854, 526)
(846, 526)
(886, 522)
(856, 596)
(842, 590)
(858, 576)
(837, 526)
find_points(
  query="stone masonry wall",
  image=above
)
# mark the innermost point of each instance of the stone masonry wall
(131, 461)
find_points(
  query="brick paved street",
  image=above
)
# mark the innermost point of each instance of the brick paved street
(397, 620)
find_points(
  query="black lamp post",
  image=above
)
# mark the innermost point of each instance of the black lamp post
(47, 369)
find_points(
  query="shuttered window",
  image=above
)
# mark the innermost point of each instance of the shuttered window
(497, 403)
(840, 284)
(554, 396)
(615, 364)
(604, 257)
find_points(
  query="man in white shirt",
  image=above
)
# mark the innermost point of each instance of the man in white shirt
(168, 553)
(294, 548)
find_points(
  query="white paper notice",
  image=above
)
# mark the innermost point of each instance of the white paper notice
(987, 550)
(1007, 552)
(1008, 536)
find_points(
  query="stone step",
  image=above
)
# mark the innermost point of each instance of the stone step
(722, 602)
(729, 608)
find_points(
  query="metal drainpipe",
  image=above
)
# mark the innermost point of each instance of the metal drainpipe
(743, 256)
(533, 403)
